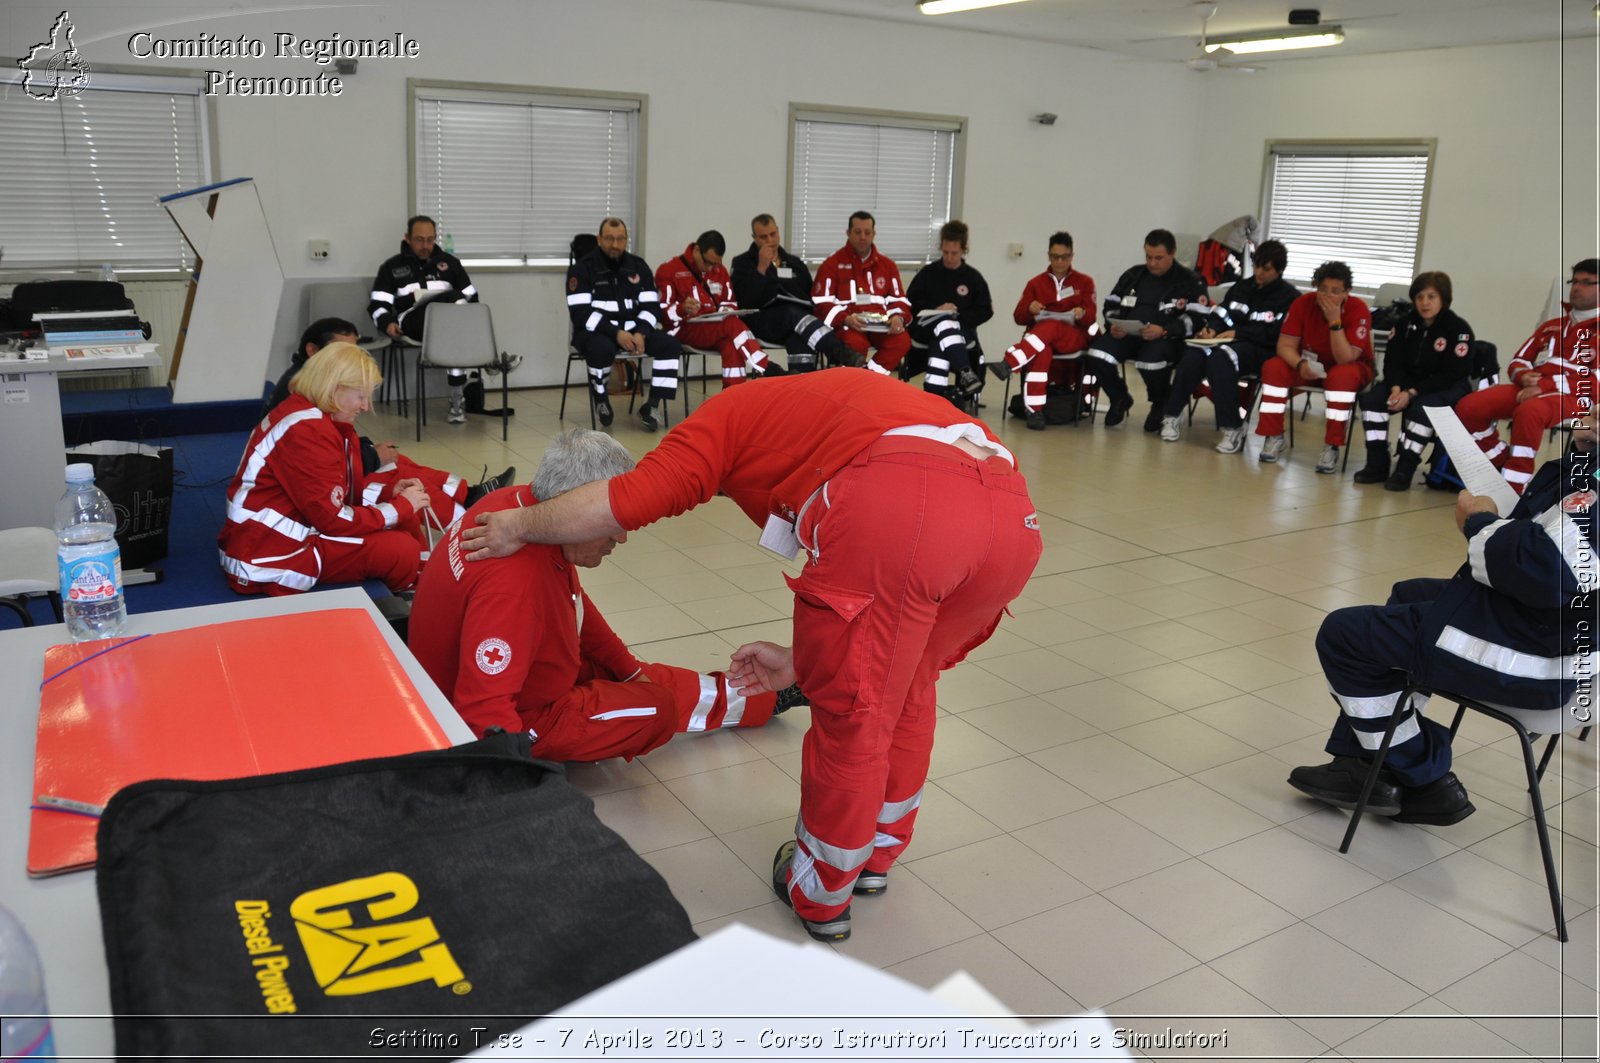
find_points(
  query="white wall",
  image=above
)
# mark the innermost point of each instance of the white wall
(720, 78)
(1512, 201)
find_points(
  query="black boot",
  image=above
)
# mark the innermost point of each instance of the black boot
(1405, 470)
(1377, 468)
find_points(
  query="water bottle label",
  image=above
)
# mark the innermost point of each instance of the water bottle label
(96, 578)
(43, 1047)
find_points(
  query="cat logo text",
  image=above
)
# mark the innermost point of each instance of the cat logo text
(357, 942)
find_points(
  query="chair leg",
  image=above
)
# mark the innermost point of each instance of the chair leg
(1537, 798)
(1544, 761)
(1377, 766)
(422, 399)
(505, 404)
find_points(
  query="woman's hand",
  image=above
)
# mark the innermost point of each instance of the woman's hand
(761, 667)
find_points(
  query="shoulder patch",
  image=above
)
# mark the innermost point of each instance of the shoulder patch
(572, 284)
(336, 496)
(493, 656)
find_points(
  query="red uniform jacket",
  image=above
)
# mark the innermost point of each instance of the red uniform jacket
(1062, 297)
(1562, 352)
(505, 638)
(770, 444)
(1305, 321)
(846, 284)
(678, 281)
(300, 478)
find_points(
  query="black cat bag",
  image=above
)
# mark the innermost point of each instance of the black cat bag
(440, 898)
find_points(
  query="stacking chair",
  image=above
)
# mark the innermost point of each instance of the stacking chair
(460, 336)
(1527, 724)
(348, 300)
(28, 567)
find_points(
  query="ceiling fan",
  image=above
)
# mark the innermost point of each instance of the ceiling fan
(1204, 61)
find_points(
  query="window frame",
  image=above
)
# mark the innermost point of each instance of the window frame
(210, 155)
(1368, 146)
(533, 94)
(957, 124)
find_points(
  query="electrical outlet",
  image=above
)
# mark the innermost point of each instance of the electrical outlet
(319, 249)
(1014, 250)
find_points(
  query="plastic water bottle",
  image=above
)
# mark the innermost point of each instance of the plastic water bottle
(449, 244)
(88, 558)
(24, 1018)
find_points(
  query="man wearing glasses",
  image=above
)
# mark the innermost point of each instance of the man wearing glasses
(1057, 307)
(1552, 381)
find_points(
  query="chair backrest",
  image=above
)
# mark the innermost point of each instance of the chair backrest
(459, 336)
(27, 561)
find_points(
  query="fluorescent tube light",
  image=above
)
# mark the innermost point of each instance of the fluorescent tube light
(950, 7)
(1321, 37)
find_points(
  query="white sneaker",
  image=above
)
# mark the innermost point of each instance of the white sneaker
(1329, 461)
(1232, 441)
(1272, 448)
(1169, 429)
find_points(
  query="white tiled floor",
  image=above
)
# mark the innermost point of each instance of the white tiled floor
(1107, 823)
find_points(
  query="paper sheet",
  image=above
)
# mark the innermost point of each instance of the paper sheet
(1474, 468)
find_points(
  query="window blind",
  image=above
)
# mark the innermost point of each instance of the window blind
(1359, 204)
(903, 174)
(511, 176)
(82, 188)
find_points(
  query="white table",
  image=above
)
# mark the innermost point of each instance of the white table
(62, 914)
(31, 434)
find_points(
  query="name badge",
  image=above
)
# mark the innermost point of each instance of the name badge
(863, 299)
(1069, 293)
(785, 273)
(780, 537)
(1130, 300)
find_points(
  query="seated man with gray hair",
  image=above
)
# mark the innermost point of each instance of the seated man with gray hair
(515, 643)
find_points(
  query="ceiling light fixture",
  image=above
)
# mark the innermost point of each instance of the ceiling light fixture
(950, 7)
(1321, 37)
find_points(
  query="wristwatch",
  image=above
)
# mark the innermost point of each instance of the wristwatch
(1337, 326)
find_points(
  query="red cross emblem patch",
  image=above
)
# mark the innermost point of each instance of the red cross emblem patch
(493, 655)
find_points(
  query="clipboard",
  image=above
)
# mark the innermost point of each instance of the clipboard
(219, 701)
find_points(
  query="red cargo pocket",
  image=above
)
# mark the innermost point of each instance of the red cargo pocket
(829, 646)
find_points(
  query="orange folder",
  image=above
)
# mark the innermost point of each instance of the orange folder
(222, 701)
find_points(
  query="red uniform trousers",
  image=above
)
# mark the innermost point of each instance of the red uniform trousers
(602, 716)
(915, 549)
(1480, 411)
(741, 351)
(1339, 391)
(447, 493)
(392, 556)
(1037, 350)
(883, 350)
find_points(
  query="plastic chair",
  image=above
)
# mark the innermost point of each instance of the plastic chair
(1527, 724)
(460, 336)
(27, 568)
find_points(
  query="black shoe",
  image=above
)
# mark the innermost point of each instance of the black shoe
(788, 698)
(1438, 804)
(1036, 420)
(1152, 420)
(835, 929)
(1339, 784)
(1117, 412)
(1372, 472)
(871, 883)
(602, 410)
(494, 483)
(648, 418)
(968, 382)
(1405, 470)
(1001, 369)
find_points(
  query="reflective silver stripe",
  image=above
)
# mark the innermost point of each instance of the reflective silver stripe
(391, 516)
(1032, 341)
(803, 876)
(703, 707)
(1373, 708)
(593, 322)
(1518, 451)
(1514, 476)
(1404, 731)
(382, 297)
(1274, 391)
(410, 289)
(886, 841)
(1513, 662)
(256, 573)
(1339, 396)
(1149, 365)
(832, 855)
(369, 494)
(1477, 562)
(895, 811)
(469, 291)
(876, 368)
(1338, 415)
(1271, 407)
(604, 304)
(623, 714)
(580, 299)
(1104, 356)
(736, 704)
(1569, 539)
